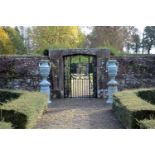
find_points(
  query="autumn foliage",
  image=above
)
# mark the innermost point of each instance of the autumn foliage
(44, 37)
(6, 46)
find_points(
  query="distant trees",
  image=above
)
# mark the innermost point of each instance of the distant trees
(24, 33)
(11, 41)
(148, 40)
(134, 41)
(6, 46)
(114, 36)
(29, 40)
(21, 40)
(15, 39)
(44, 37)
(120, 37)
(145, 43)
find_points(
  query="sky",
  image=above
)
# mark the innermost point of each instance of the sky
(140, 28)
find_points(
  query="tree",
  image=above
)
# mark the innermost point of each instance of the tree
(109, 36)
(6, 46)
(134, 41)
(16, 39)
(24, 32)
(149, 38)
(137, 44)
(44, 37)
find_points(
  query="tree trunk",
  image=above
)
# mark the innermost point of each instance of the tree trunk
(150, 46)
(136, 49)
(148, 52)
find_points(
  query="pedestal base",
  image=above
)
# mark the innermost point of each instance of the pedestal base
(45, 88)
(109, 101)
(49, 102)
(112, 88)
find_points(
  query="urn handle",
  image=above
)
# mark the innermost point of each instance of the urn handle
(39, 64)
(117, 63)
(49, 63)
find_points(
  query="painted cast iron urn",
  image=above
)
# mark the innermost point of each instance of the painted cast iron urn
(112, 67)
(44, 68)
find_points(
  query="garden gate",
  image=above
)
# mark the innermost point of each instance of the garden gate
(80, 76)
(78, 72)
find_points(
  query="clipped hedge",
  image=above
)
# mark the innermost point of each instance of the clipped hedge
(130, 108)
(6, 96)
(147, 124)
(5, 125)
(23, 111)
(148, 95)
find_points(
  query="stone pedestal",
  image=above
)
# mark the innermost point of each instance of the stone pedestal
(112, 66)
(44, 69)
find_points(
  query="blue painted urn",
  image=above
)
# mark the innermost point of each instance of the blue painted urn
(44, 68)
(112, 66)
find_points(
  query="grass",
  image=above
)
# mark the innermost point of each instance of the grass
(130, 108)
(23, 111)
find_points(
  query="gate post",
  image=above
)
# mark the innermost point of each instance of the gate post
(112, 66)
(44, 70)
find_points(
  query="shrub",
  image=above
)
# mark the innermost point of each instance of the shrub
(148, 95)
(130, 108)
(5, 125)
(113, 51)
(147, 124)
(6, 96)
(24, 111)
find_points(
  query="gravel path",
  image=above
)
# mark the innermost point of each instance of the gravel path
(77, 113)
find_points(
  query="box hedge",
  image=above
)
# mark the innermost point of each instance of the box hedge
(148, 95)
(5, 125)
(22, 108)
(131, 106)
(147, 124)
(5, 96)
